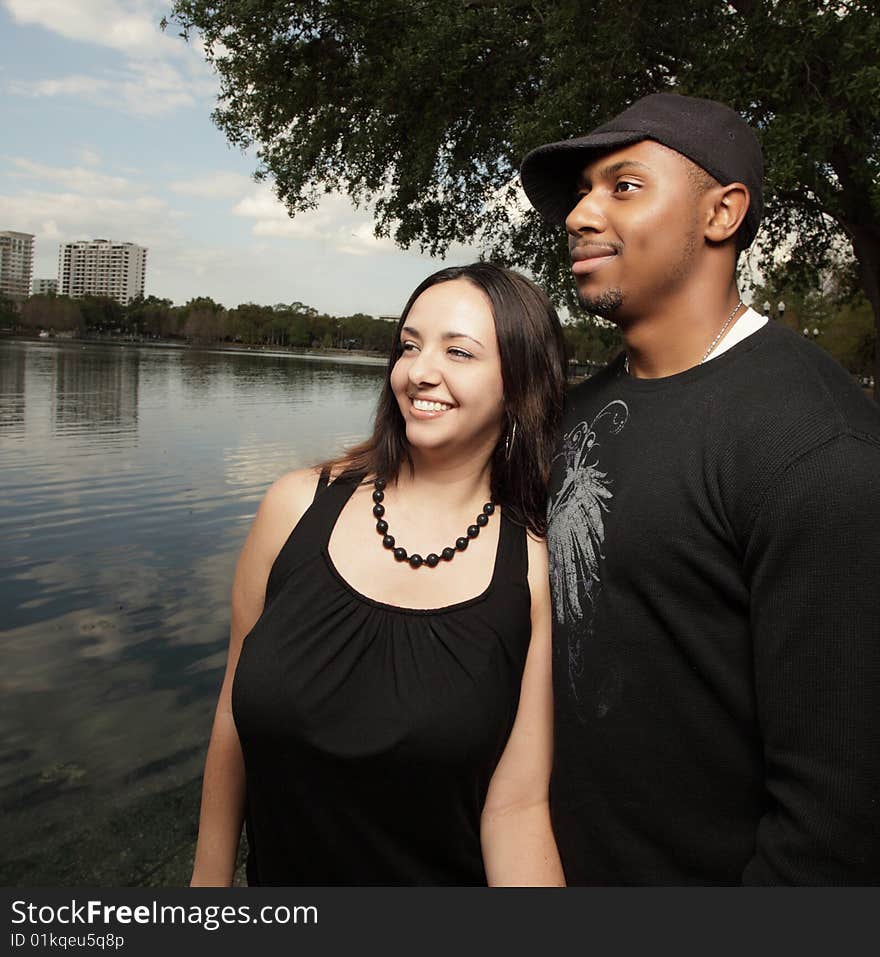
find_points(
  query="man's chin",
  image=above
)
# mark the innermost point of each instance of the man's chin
(606, 303)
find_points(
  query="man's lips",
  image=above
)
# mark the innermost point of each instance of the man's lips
(589, 258)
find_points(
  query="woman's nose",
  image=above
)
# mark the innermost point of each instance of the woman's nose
(424, 367)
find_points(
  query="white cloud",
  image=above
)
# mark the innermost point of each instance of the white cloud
(146, 220)
(217, 185)
(130, 26)
(49, 230)
(76, 178)
(335, 221)
(87, 156)
(142, 88)
(263, 206)
(197, 262)
(75, 84)
(159, 73)
(149, 79)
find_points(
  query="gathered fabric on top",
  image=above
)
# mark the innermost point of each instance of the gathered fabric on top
(370, 732)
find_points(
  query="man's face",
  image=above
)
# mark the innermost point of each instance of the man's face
(635, 230)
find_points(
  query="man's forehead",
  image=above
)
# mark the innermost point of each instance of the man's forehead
(647, 154)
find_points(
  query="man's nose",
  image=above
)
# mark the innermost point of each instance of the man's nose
(588, 215)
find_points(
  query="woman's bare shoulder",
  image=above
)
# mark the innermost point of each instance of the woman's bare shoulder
(283, 505)
(287, 498)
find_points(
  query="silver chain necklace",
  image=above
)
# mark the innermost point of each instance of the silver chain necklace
(715, 341)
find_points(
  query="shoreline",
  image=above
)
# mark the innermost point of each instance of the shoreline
(352, 356)
(343, 356)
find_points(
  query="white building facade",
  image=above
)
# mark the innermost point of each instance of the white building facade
(44, 287)
(102, 267)
(16, 264)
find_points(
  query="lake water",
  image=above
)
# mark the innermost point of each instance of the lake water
(128, 479)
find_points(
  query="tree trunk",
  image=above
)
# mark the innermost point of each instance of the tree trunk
(866, 246)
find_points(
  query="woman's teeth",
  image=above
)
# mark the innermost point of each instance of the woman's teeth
(424, 406)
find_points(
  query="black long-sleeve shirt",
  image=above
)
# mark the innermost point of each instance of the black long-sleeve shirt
(715, 560)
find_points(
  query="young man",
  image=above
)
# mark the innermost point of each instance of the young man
(714, 537)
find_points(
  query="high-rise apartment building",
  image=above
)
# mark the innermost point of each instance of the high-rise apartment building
(101, 267)
(16, 264)
(44, 287)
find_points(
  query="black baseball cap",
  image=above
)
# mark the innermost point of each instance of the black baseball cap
(710, 134)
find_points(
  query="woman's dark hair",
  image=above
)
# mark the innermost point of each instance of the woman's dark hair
(532, 350)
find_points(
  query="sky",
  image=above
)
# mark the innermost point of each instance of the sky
(107, 133)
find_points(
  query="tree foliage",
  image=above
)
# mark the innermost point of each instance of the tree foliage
(201, 321)
(100, 312)
(9, 315)
(424, 108)
(836, 316)
(56, 313)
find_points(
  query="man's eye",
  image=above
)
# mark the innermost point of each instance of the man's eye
(624, 186)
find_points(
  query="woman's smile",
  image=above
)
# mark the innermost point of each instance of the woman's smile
(429, 408)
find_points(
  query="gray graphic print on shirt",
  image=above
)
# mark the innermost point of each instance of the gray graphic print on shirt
(576, 528)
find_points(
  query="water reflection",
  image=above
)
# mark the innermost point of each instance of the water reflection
(12, 378)
(98, 391)
(128, 478)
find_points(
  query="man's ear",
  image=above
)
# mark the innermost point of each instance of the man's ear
(729, 207)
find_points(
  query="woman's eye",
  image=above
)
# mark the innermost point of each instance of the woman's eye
(407, 346)
(461, 353)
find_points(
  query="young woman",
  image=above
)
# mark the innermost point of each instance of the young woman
(388, 717)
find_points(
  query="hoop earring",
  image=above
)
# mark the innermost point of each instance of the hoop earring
(509, 439)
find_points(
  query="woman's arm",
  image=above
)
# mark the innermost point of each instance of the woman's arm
(223, 785)
(519, 849)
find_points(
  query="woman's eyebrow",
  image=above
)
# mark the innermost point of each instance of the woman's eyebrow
(446, 335)
(461, 335)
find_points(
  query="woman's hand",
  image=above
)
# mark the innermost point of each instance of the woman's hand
(519, 849)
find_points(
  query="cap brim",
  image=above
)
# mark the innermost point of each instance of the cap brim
(549, 173)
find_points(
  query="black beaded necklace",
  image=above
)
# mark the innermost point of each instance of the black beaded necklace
(432, 560)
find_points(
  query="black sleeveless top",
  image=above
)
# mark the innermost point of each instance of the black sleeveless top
(369, 732)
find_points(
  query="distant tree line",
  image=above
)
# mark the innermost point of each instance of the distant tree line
(835, 314)
(201, 321)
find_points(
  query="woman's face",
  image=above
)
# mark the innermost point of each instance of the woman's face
(447, 381)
